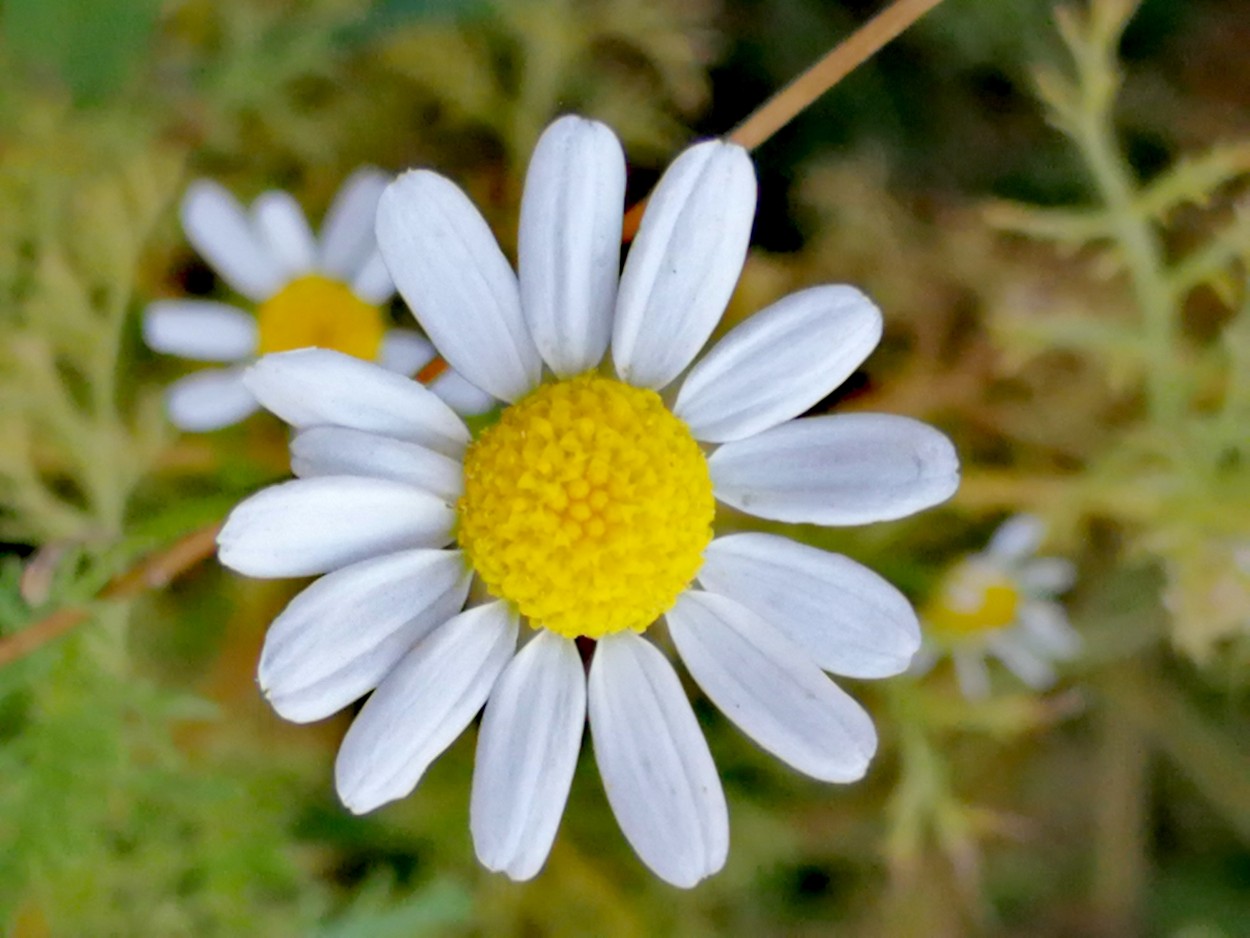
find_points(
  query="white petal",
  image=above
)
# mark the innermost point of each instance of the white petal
(281, 224)
(373, 283)
(307, 387)
(1045, 627)
(201, 330)
(220, 230)
(342, 635)
(460, 395)
(656, 768)
(347, 233)
(445, 262)
(971, 673)
(1047, 576)
(766, 685)
(1022, 661)
(924, 660)
(209, 400)
(526, 753)
(1017, 537)
(844, 616)
(422, 706)
(848, 469)
(341, 451)
(778, 363)
(684, 263)
(569, 244)
(315, 525)
(405, 352)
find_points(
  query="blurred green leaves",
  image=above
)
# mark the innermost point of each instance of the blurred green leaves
(92, 46)
(431, 911)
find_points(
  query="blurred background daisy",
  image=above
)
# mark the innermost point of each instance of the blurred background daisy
(330, 292)
(1002, 602)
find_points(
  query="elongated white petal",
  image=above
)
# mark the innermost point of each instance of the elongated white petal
(405, 352)
(347, 233)
(220, 230)
(373, 283)
(281, 224)
(526, 753)
(316, 525)
(342, 635)
(457, 282)
(569, 245)
(422, 706)
(656, 768)
(778, 363)
(341, 451)
(1017, 537)
(1044, 626)
(201, 330)
(924, 660)
(773, 692)
(1022, 661)
(684, 263)
(308, 387)
(845, 617)
(971, 673)
(848, 469)
(1047, 576)
(460, 395)
(209, 400)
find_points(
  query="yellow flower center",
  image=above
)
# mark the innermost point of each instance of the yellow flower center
(318, 311)
(974, 599)
(587, 506)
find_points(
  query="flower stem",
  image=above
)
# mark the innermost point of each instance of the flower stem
(797, 96)
(1090, 123)
(844, 58)
(153, 572)
(1119, 798)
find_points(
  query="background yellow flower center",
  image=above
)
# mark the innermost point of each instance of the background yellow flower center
(974, 599)
(318, 311)
(588, 506)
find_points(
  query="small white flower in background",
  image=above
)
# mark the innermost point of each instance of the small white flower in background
(1002, 602)
(329, 292)
(585, 511)
(1206, 589)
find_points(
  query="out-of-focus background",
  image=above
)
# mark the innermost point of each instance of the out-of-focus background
(1049, 210)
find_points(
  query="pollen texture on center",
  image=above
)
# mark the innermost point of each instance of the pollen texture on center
(587, 506)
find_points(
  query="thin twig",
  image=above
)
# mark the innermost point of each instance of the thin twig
(795, 97)
(845, 57)
(761, 124)
(153, 572)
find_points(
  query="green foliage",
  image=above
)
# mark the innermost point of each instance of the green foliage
(511, 72)
(92, 47)
(1183, 454)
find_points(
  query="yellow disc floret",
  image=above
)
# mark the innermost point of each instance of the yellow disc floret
(318, 311)
(975, 598)
(587, 506)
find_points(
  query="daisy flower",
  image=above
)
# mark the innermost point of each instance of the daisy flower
(585, 512)
(1002, 602)
(330, 292)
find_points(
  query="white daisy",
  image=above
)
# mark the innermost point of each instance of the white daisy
(329, 292)
(586, 511)
(1002, 602)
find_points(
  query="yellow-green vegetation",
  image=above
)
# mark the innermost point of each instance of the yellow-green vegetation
(1069, 302)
